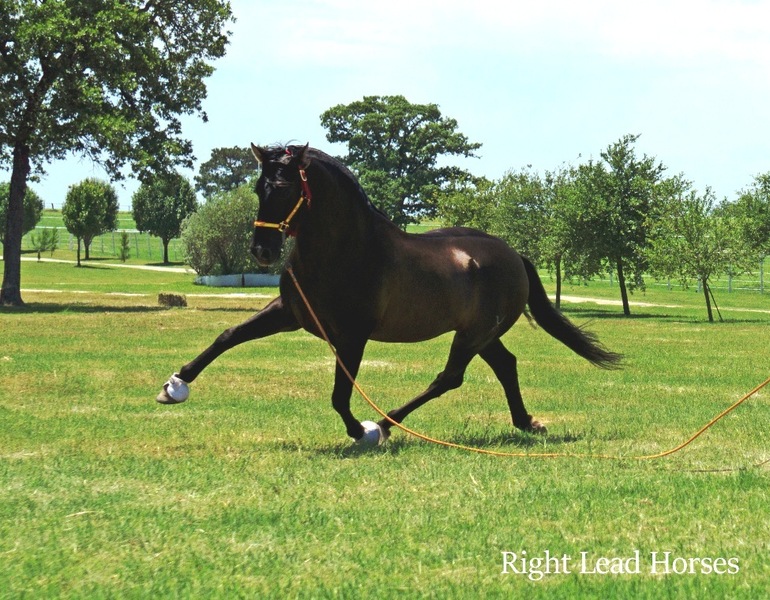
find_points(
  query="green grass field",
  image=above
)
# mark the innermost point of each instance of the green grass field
(252, 490)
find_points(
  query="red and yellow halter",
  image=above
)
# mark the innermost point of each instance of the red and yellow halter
(284, 225)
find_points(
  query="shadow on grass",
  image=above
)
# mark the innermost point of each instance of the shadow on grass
(84, 308)
(42, 308)
(576, 313)
(598, 313)
(513, 442)
(162, 264)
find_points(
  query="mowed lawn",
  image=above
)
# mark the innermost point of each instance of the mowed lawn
(251, 488)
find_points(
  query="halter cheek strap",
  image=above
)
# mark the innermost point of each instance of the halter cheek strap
(283, 226)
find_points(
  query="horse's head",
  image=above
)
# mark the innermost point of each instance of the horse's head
(283, 192)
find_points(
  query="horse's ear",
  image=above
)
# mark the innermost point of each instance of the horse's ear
(259, 153)
(303, 160)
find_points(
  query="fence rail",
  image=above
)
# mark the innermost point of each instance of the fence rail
(143, 246)
(751, 282)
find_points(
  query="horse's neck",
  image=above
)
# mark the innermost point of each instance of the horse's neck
(338, 229)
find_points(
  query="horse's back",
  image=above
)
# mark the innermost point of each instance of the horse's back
(453, 279)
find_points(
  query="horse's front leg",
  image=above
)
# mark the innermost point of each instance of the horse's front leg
(274, 318)
(350, 353)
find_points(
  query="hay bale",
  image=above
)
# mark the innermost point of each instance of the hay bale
(172, 300)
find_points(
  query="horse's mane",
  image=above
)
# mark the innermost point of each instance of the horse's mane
(331, 164)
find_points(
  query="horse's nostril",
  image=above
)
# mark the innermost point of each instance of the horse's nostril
(263, 255)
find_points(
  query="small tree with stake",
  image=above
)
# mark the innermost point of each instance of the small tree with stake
(47, 240)
(692, 242)
(124, 252)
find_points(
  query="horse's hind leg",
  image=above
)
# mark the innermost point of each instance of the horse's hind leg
(450, 378)
(503, 364)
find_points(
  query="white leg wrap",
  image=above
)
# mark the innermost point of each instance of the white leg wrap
(177, 389)
(373, 435)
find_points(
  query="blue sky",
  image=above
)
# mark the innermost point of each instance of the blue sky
(536, 83)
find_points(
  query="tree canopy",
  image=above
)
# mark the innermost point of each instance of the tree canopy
(752, 211)
(225, 170)
(161, 204)
(691, 242)
(32, 209)
(90, 209)
(105, 80)
(393, 146)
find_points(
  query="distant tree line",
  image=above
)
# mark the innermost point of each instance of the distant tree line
(621, 215)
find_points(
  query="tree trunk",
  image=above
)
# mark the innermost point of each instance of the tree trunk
(557, 264)
(79, 252)
(623, 290)
(10, 294)
(165, 251)
(704, 283)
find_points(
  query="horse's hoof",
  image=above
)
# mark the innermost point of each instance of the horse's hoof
(175, 391)
(164, 398)
(537, 427)
(373, 435)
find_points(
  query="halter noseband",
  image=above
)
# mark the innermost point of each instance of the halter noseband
(283, 226)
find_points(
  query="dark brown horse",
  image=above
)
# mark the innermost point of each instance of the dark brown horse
(367, 279)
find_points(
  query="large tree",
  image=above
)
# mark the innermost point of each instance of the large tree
(394, 146)
(225, 170)
(161, 204)
(106, 80)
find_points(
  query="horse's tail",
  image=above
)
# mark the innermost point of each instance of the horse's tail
(556, 324)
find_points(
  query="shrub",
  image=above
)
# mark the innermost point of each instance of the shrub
(33, 208)
(124, 252)
(45, 241)
(216, 239)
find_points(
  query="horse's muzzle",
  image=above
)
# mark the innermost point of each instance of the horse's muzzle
(265, 256)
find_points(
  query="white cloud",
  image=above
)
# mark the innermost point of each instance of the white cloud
(351, 33)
